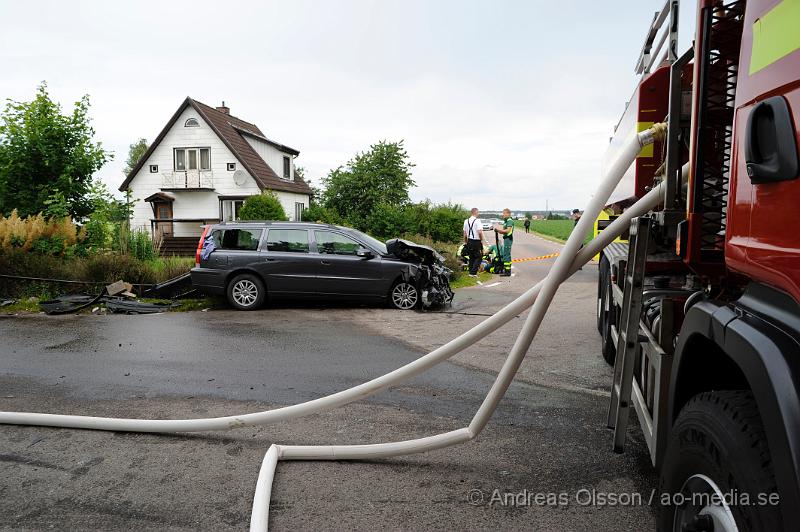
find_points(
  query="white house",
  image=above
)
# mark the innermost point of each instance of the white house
(200, 169)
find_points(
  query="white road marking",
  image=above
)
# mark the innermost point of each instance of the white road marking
(493, 284)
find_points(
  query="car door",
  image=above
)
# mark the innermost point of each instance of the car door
(341, 271)
(239, 247)
(286, 262)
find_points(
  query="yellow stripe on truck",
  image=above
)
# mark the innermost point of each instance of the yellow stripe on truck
(647, 151)
(775, 35)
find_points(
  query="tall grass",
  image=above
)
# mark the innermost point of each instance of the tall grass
(27, 233)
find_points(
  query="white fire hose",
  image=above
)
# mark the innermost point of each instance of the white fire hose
(540, 296)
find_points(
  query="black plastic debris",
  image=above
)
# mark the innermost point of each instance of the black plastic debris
(126, 306)
(69, 303)
(6, 302)
(174, 288)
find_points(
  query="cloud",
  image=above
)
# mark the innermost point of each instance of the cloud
(497, 107)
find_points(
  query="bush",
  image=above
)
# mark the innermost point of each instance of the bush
(388, 221)
(141, 246)
(99, 234)
(446, 222)
(318, 213)
(264, 206)
(110, 267)
(441, 223)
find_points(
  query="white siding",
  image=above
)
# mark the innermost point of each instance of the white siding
(189, 203)
(271, 155)
(288, 199)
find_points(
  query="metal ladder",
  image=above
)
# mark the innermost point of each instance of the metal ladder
(628, 336)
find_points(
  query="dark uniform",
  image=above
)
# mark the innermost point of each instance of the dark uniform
(508, 240)
(474, 246)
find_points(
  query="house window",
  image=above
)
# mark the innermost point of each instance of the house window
(299, 207)
(192, 122)
(231, 167)
(230, 209)
(192, 159)
(153, 168)
(287, 167)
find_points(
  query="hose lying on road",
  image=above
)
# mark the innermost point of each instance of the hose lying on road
(540, 296)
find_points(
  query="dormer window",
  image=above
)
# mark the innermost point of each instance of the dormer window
(192, 122)
(287, 167)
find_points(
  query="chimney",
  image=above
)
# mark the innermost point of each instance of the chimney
(223, 109)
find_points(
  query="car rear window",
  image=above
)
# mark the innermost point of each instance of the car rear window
(287, 240)
(335, 243)
(244, 239)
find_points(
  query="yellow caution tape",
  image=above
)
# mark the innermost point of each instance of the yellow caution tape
(543, 257)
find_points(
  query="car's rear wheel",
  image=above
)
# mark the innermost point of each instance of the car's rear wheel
(404, 296)
(246, 292)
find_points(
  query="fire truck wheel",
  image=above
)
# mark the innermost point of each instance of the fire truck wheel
(607, 312)
(717, 473)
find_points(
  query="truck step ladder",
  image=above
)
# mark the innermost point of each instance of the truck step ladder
(628, 337)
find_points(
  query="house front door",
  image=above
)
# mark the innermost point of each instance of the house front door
(164, 212)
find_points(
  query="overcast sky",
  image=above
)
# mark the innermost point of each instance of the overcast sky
(500, 103)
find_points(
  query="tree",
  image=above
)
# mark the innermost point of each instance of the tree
(381, 175)
(135, 152)
(47, 158)
(264, 206)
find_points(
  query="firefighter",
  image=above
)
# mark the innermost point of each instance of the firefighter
(507, 230)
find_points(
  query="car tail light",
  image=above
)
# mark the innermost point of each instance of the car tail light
(200, 246)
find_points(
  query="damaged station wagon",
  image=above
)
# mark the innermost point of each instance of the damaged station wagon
(250, 262)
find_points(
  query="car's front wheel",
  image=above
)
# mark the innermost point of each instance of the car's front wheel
(246, 292)
(404, 296)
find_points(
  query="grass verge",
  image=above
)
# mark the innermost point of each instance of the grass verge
(556, 230)
(463, 281)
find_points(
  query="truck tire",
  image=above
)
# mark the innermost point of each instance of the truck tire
(718, 446)
(606, 317)
(246, 292)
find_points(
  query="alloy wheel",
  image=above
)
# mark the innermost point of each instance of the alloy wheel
(245, 292)
(404, 296)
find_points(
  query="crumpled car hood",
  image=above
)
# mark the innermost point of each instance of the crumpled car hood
(407, 250)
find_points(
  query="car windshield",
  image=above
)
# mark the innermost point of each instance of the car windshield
(375, 244)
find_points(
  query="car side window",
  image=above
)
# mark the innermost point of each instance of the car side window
(216, 236)
(242, 239)
(287, 240)
(335, 243)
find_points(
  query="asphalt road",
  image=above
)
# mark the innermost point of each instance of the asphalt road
(543, 463)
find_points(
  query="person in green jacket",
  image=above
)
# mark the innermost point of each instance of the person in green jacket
(507, 230)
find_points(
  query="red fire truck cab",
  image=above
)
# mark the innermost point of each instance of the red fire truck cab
(700, 310)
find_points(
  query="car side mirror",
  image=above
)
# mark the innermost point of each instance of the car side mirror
(364, 253)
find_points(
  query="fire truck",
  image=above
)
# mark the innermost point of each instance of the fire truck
(698, 305)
